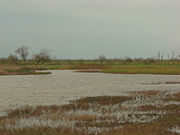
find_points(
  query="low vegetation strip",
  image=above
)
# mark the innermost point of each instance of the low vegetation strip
(143, 70)
(115, 69)
(18, 70)
(44, 61)
(140, 113)
(131, 69)
(92, 68)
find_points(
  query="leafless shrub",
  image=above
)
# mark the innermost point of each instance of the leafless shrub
(42, 57)
(13, 59)
(102, 58)
(23, 52)
(127, 60)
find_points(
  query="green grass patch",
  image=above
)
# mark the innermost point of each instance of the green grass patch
(143, 70)
(115, 69)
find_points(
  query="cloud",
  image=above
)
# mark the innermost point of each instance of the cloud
(102, 26)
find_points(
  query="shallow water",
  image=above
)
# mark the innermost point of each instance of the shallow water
(63, 86)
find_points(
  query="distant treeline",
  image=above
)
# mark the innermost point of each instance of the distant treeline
(20, 56)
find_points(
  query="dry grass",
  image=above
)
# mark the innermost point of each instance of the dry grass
(172, 82)
(3, 69)
(141, 113)
(18, 70)
(15, 67)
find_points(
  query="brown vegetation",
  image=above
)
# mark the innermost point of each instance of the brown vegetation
(172, 82)
(140, 113)
(18, 70)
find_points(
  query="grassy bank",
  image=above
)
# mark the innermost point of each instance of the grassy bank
(114, 69)
(137, 69)
(18, 70)
(162, 70)
(141, 113)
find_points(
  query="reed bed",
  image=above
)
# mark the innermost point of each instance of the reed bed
(140, 113)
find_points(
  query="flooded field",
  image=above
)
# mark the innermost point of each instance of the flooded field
(97, 104)
(63, 86)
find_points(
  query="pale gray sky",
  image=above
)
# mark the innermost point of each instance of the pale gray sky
(89, 28)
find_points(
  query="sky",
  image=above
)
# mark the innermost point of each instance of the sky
(75, 29)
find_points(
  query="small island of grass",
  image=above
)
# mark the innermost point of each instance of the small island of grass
(18, 70)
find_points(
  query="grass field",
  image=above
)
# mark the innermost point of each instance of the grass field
(140, 113)
(163, 69)
(130, 69)
(173, 69)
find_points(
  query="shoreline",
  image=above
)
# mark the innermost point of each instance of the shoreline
(114, 69)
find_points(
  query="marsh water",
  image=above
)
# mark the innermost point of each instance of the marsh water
(65, 85)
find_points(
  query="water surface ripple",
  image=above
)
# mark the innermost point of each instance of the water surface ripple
(62, 86)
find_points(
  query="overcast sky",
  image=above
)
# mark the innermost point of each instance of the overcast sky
(89, 28)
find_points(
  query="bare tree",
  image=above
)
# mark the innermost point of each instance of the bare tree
(162, 57)
(159, 57)
(127, 60)
(178, 58)
(23, 52)
(173, 57)
(102, 58)
(42, 57)
(13, 59)
(149, 61)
